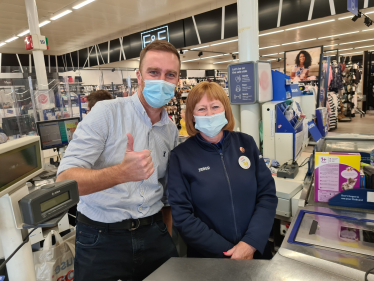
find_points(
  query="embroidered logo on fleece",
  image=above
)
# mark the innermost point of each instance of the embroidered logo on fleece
(204, 169)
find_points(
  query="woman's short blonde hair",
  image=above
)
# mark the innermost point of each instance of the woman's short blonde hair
(213, 92)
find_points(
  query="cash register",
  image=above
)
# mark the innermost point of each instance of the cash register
(23, 214)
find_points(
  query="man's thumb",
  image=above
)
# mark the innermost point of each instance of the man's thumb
(130, 143)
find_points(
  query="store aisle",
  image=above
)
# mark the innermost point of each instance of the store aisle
(364, 125)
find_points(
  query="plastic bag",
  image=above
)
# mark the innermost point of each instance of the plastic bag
(56, 263)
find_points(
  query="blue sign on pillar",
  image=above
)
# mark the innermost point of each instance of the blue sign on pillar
(352, 6)
(242, 86)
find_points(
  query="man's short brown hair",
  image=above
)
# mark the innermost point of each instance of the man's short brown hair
(159, 45)
(96, 96)
(213, 92)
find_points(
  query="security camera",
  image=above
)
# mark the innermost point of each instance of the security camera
(113, 69)
(234, 57)
(200, 54)
(181, 52)
(368, 21)
(356, 17)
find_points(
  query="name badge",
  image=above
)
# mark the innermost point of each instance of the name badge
(244, 162)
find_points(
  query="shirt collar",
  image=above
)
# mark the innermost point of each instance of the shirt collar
(140, 108)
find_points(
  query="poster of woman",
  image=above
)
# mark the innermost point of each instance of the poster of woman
(303, 64)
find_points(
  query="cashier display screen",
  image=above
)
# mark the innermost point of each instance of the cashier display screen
(19, 163)
(45, 206)
(57, 133)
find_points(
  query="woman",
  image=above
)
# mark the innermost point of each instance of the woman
(221, 193)
(301, 69)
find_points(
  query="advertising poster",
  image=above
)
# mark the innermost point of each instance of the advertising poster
(303, 64)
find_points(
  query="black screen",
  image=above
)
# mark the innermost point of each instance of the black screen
(18, 164)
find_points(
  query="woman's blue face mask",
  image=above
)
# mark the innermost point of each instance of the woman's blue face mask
(158, 93)
(211, 125)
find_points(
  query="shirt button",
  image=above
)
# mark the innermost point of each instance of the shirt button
(140, 208)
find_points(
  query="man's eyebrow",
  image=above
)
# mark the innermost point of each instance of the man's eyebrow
(153, 68)
(172, 71)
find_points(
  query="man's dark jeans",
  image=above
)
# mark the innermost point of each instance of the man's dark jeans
(103, 254)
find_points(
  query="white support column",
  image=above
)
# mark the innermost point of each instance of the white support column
(250, 115)
(21, 266)
(33, 20)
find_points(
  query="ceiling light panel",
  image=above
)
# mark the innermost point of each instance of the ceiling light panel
(200, 47)
(299, 41)
(271, 59)
(330, 45)
(271, 33)
(225, 61)
(365, 47)
(269, 47)
(371, 29)
(23, 33)
(338, 35)
(44, 23)
(224, 42)
(268, 55)
(351, 53)
(297, 27)
(11, 39)
(64, 13)
(352, 42)
(2, 44)
(83, 4)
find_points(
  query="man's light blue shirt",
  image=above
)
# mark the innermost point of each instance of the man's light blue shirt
(100, 141)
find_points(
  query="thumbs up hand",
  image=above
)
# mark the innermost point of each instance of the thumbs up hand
(136, 166)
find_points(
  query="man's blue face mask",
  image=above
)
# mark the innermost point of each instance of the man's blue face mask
(158, 93)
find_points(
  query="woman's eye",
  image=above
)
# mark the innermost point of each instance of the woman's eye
(201, 109)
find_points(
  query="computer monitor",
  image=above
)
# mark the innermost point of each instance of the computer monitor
(18, 124)
(20, 161)
(56, 133)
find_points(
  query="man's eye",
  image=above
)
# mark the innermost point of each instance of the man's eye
(171, 75)
(153, 72)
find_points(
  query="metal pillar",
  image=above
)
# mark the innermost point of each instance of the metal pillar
(21, 266)
(250, 115)
(33, 19)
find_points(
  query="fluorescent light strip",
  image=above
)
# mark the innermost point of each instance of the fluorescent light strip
(206, 46)
(235, 53)
(364, 47)
(351, 53)
(309, 25)
(299, 41)
(61, 15)
(23, 33)
(2, 44)
(330, 45)
(271, 59)
(224, 42)
(343, 18)
(349, 17)
(268, 55)
(11, 39)
(271, 33)
(225, 61)
(83, 4)
(356, 41)
(211, 57)
(268, 47)
(338, 35)
(281, 53)
(191, 60)
(372, 29)
(44, 23)
(339, 50)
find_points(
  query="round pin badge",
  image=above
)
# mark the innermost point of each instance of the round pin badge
(244, 162)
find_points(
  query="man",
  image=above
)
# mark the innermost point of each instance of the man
(96, 96)
(119, 158)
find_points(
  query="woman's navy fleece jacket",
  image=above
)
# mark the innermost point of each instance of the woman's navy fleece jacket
(216, 203)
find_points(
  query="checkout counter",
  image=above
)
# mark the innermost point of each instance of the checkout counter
(315, 246)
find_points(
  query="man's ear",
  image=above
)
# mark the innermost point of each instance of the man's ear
(139, 77)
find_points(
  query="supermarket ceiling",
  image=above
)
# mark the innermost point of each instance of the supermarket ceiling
(104, 20)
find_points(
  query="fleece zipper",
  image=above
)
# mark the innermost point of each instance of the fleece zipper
(232, 201)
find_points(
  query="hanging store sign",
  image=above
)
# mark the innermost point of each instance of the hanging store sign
(352, 6)
(36, 42)
(160, 33)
